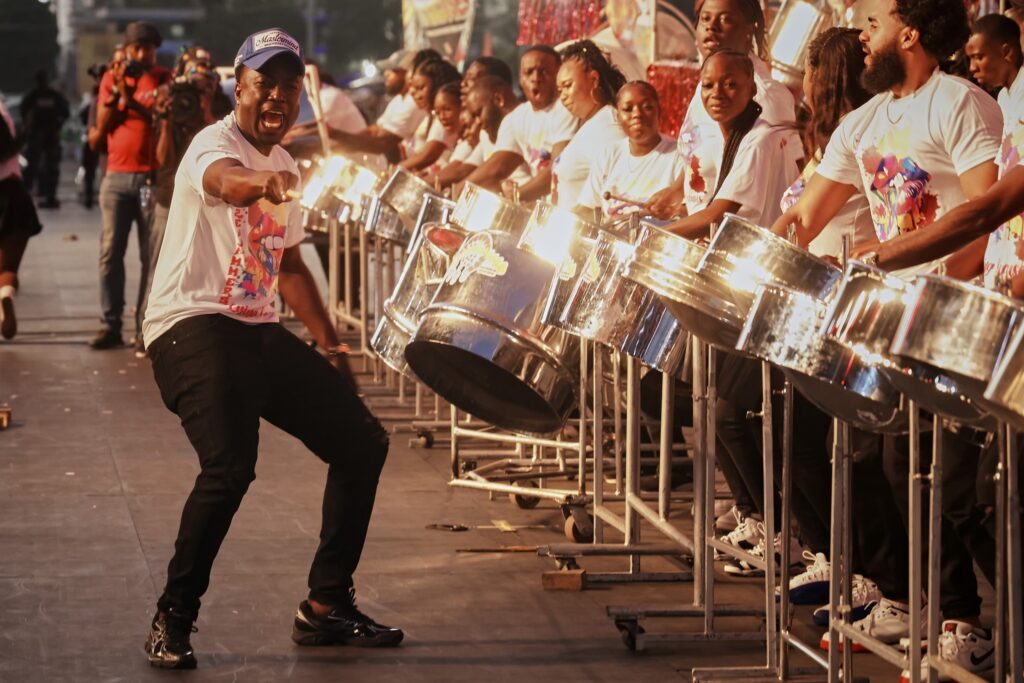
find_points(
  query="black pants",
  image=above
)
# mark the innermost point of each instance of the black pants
(220, 376)
(965, 539)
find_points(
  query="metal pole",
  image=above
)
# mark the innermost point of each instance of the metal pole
(701, 503)
(786, 524)
(709, 497)
(632, 455)
(598, 432)
(665, 446)
(1013, 531)
(768, 468)
(835, 662)
(934, 549)
(1001, 555)
(914, 531)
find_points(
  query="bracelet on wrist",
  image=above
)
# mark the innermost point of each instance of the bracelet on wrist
(337, 350)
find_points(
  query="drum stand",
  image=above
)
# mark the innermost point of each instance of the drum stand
(627, 618)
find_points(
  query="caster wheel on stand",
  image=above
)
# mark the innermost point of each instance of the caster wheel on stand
(522, 500)
(575, 533)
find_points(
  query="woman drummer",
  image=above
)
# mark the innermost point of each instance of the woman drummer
(755, 163)
(587, 86)
(626, 173)
(429, 142)
(736, 25)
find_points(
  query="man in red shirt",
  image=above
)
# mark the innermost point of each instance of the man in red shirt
(125, 119)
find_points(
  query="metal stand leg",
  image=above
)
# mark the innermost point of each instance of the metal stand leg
(934, 554)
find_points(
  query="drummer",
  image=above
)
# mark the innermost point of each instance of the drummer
(995, 63)
(534, 133)
(401, 117)
(736, 25)
(489, 102)
(587, 86)
(431, 139)
(925, 143)
(626, 174)
(458, 165)
(755, 162)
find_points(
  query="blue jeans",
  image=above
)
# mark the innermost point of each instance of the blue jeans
(121, 205)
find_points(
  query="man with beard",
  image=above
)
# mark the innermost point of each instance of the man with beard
(924, 144)
(534, 133)
(222, 361)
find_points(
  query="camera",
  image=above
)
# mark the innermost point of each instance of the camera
(96, 71)
(133, 69)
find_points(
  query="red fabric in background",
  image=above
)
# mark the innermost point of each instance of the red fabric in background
(676, 82)
(549, 22)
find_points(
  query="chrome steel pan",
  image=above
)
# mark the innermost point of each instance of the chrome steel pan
(743, 256)
(956, 327)
(478, 209)
(404, 192)
(784, 327)
(481, 343)
(864, 315)
(1004, 395)
(667, 265)
(605, 307)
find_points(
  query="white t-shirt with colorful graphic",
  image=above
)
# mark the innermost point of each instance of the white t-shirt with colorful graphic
(1001, 260)
(218, 258)
(908, 153)
(629, 179)
(401, 116)
(701, 141)
(532, 133)
(571, 168)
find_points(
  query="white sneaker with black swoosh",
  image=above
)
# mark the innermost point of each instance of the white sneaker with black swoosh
(961, 644)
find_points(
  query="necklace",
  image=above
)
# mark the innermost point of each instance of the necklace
(889, 117)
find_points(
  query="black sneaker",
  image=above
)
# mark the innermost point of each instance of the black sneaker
(168, 644)
(107, 339)
(344, 625)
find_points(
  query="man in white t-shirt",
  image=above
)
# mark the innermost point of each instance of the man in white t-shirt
(925, 144)
(999, 213)
(401, 116)
(489, 102)
(222, 360)
(534, 133)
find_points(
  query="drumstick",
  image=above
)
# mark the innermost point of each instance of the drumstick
(311, 80)
(632, 202)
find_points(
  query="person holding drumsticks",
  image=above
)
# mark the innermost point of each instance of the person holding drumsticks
(222, 360)
(755, 162)
(626, 173)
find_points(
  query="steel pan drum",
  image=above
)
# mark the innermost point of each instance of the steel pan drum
(404, 192)
(481, 343)
(478, 209)
(563, 239)
(427, 260)
(605, 307)
(380, 219)
(784, 327)
(1004, 395)
(956, 327)
(667, 265)
(743, 256)
(864, 315)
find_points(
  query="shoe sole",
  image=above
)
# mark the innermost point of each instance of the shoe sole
(158, 662)
(9, 326)
(316, 639)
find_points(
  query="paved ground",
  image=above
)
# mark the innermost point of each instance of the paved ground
(93, 473)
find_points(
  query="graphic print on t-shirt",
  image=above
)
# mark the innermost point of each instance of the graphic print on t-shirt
(900, 199)
(689, 142)
(1001, 260)
(252, 276)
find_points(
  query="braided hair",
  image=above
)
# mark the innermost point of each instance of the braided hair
(753, 14)
(609, 78)
(742, 124)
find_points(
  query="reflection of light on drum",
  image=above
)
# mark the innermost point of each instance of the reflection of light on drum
(362, 183)
(444, 239)
(321, 180)
(550, 240)
(748, 273)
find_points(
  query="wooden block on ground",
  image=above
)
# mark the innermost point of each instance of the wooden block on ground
(5, 417)
(564, 580)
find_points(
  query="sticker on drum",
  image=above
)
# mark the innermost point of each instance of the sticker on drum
(477, 256)
(568, 269)
(592, 269)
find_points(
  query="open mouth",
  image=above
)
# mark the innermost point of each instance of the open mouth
(272, 120)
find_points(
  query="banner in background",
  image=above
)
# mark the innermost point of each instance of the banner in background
(444, 25)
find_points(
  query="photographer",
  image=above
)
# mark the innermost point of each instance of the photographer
(125, 120)
(183, 108)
